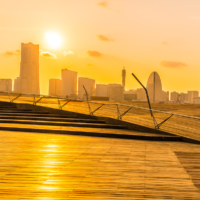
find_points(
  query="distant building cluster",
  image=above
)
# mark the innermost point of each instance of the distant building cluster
(189, 97)
(154, 88)
(72, 86)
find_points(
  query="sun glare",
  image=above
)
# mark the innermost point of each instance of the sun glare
(53, 39)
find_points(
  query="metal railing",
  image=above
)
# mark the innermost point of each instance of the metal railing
(178, 123)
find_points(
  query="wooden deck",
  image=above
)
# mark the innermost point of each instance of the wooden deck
(191, 162)
(47, 166)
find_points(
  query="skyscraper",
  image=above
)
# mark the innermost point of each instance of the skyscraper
(115, 92)
(89, 85)
(165, 96)
(154, 88)
(28, 80)
(123, 77)
(55, 87)
(101, 90)
(192, 95)
(174, 96)
(69, 83)
(183, 97)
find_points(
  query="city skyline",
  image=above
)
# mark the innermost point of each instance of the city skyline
(101, 47)
(98, 82)
(70, 85)
(116, 92)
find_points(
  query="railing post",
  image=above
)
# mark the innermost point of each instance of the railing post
(118, 112)
(34, 99)
(9, 97)
(58, 103)
(87, 100)
(154, 120)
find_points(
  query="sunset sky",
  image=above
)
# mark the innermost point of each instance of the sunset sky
(98, 38)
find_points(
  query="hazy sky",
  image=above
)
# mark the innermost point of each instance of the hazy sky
(99, 37)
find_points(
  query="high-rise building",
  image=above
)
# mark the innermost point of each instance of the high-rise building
(183, 97)
(101, 90)
(174, 96)
(28, 80)
(55, 87)
(123, 77)
(116, 92)
(69, 83)
(16, 85)
(192, 95)
(89, 85)
(165, 96)
(154, 88)
(5, 85)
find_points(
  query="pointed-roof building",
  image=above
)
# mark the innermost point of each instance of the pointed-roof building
(154, 88)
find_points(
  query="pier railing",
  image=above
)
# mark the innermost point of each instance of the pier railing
(177, 123)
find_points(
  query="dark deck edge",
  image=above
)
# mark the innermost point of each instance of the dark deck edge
(93, 134)
(68, 124)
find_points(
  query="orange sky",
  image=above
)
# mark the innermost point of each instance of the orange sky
(104, 36)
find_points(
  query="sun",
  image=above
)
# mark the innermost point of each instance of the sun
(53, 39)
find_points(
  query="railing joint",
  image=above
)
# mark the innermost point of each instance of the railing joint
(159, 125)
(120, 117)
(61, 106)
(15, 98)
(92, 113)
(35, 102)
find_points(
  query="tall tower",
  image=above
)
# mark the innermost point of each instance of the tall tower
(123, 77)
(28, 80)
(69, 83)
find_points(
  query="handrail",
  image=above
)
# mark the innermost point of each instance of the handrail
(78, 100)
